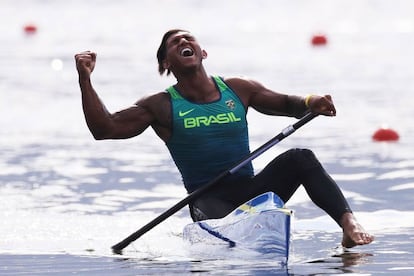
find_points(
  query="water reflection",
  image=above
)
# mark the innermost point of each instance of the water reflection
(69, 179)
(345, 262)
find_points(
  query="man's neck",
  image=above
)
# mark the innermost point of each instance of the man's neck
(197, 87)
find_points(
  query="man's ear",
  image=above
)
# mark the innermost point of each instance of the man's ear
(203, 54)
(165, 65)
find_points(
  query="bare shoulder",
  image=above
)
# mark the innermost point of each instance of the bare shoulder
(244, 87)
(154, 101)
(242, 82)
(158, 105)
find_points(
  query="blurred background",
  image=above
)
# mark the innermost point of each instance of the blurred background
(59, 185)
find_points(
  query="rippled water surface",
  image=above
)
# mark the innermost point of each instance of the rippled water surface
(66, 198)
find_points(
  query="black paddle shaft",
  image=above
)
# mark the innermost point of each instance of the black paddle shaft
(117, 248)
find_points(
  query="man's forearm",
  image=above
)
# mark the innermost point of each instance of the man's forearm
(296, 106)
(96, 115)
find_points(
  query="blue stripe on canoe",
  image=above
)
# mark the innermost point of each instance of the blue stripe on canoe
(216, 234)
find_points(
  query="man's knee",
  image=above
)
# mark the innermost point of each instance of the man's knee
(210, 208)
(196, 213)
(305, 158)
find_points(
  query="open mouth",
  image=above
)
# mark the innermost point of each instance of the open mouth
(186, 52)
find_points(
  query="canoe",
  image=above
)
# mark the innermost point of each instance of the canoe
(262, 224)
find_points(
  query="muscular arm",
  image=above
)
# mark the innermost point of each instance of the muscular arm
(270, 102)
(123, 124)
(126, 123)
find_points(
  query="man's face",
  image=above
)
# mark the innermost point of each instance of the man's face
(183, 52)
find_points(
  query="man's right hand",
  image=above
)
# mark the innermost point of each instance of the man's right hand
(85, 63)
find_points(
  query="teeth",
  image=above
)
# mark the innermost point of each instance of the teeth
(186, 52)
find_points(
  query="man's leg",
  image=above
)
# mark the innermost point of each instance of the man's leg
(300, 166)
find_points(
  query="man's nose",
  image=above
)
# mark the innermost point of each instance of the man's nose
(183, 40)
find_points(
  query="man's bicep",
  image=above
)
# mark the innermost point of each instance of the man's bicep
(131, 121)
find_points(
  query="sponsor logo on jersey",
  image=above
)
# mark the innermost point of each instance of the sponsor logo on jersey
(222, 118)
(183, 113)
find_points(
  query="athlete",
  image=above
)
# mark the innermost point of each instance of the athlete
(202, 120)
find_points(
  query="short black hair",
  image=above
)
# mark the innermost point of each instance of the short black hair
(161, 53)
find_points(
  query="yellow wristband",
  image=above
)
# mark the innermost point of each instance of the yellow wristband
(307, 99)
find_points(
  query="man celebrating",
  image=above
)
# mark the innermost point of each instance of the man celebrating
(202, 120)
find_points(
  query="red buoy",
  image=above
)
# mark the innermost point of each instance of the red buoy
(385, 134)
(319, 40)
(30, 29)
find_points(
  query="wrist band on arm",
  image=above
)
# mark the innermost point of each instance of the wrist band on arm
(307, 99)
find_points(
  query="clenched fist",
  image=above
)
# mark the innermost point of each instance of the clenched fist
(85, 63)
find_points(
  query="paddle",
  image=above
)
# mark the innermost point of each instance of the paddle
(117, 248)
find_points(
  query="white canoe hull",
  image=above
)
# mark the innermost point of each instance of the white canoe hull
(261, 224)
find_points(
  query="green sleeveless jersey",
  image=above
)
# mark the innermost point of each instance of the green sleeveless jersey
(210, 138)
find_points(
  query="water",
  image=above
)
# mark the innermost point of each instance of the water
(65, 198)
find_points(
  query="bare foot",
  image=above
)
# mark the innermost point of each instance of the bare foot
(353, 233)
